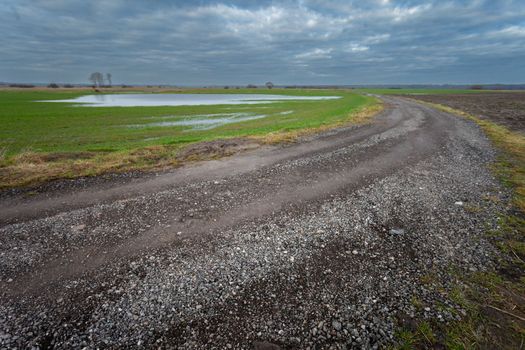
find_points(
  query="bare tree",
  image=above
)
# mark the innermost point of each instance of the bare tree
(93, 78)
(269, 85)
(97, 79)
(108, 78)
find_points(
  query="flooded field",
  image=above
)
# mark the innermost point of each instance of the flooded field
(129, 131)
(202, 121)
(151, 100)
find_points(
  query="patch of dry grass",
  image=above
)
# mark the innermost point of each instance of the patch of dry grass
(3, 154)
(29, 168)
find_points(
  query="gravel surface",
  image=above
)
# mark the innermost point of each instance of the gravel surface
(334, 242)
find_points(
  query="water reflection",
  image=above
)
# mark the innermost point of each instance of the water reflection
(150, 100)
(203, 121)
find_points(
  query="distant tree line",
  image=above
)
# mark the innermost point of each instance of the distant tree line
(269, 85)
(22, 85)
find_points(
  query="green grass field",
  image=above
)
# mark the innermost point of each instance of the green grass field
(42, 140)
(26, 125)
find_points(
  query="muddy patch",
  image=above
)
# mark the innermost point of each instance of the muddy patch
(216, 149)
(37, 158)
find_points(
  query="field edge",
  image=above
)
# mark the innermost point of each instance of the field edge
(31, 169)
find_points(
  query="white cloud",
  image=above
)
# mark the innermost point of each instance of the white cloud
(399, 14)
(511, 31)
(355, 47)
(273, 21)
(315, 54)
(376, 39)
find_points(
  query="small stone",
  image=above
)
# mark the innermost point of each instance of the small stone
(337, 325)
(355, 252)
(397, 231)
(78, 228)
(458, 203)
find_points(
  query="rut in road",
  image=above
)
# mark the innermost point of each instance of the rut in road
(287, 244)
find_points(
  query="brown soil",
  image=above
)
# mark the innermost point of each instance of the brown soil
(507, 109)
(216, 149)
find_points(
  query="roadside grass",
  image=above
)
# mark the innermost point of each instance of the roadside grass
(494, 302)
(42, 141)
(358, 117)
(510, 165)
(422, 337)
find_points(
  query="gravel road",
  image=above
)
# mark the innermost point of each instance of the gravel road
(332, 242)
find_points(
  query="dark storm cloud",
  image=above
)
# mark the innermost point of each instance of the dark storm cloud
(239, 42)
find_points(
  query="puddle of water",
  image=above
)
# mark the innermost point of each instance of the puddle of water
(204, 121)
(212, 115)
(151, 138)
(248, 107)
(150, 100)
(200, 123)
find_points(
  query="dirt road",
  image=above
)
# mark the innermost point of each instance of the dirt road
(324, 243)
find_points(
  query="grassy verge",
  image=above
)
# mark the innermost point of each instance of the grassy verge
(358, 117)
(510, 166)
(42, 141)
(494, 301)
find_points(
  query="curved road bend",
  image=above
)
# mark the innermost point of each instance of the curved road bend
(321, 243)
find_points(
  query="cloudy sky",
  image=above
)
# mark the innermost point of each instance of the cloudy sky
(253, 41)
